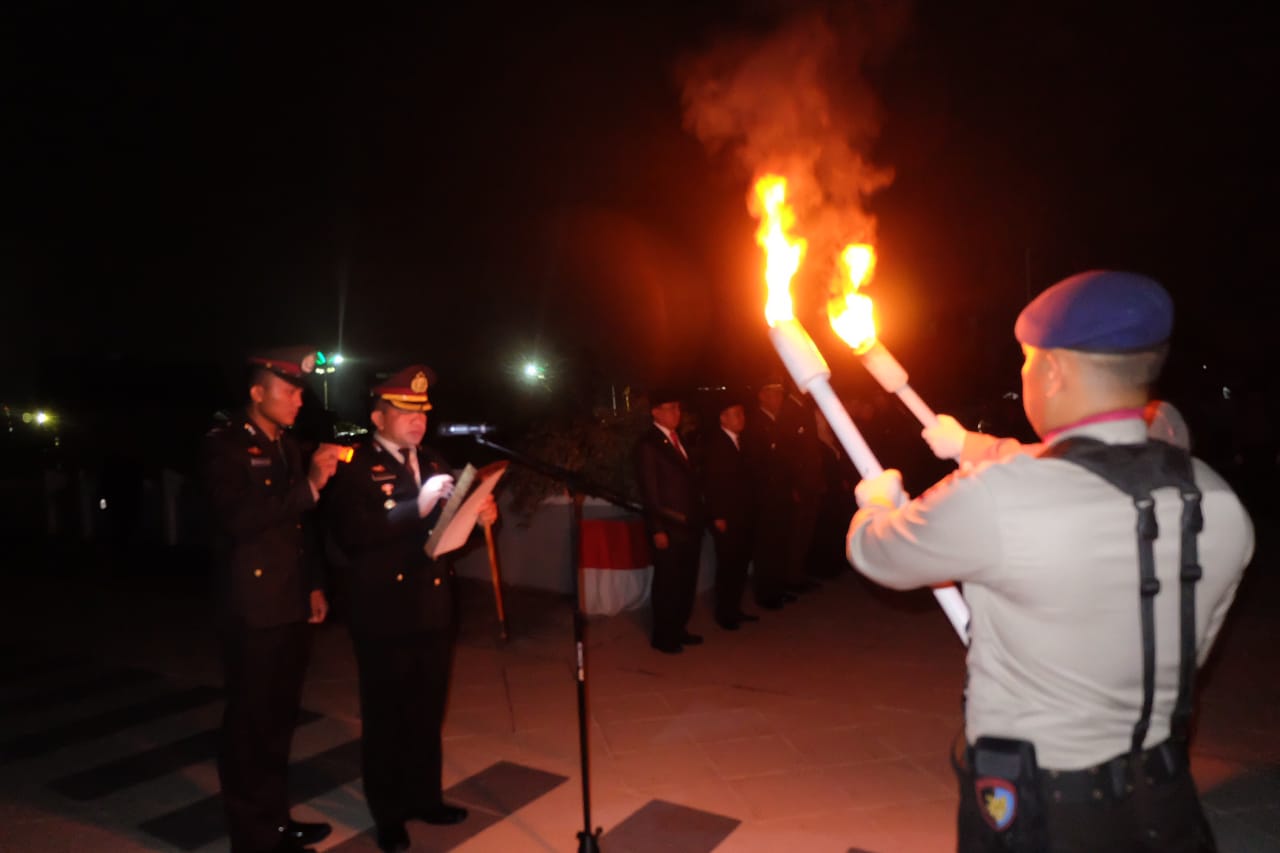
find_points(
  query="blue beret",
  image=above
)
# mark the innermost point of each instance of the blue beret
(1098, 311)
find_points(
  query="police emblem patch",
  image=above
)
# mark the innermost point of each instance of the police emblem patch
(419, 383)
(998, 801)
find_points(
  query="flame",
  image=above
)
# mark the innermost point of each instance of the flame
(851, 312)
(782, 252)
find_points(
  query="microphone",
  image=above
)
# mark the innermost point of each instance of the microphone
(466, 429)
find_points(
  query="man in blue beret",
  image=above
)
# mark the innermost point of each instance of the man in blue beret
(1085, 635)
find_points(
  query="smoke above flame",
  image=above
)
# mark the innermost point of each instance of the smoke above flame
(795, 103)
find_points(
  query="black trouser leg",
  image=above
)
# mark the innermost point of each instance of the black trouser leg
(769, 554)
(264, 672)
(732, 554)
(404, 683)
(675, 580)
(424, 758)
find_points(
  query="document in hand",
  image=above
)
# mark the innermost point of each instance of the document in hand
(459, 514)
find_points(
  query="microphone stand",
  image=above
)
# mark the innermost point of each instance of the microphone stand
(579, 487)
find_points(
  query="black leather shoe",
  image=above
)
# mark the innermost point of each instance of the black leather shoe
(668, 648)
(728, 624)
(393, 838)
(444, 814)
(304, 834)
(691, 639)
(747, 617)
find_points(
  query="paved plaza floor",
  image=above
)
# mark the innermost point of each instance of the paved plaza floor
(823, 727)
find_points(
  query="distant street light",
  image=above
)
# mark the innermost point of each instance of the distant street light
(534, 372)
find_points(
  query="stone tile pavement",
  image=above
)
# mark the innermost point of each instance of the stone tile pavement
(823, 727)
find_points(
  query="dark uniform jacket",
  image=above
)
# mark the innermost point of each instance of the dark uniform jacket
(259, 499)
(385, 582)
(769, 454)
(726, 480)
(669, 486)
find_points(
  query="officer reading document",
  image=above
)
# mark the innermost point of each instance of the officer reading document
(398, 604)
(1098, 572)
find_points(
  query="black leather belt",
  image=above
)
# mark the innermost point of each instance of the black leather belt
(1114, 779)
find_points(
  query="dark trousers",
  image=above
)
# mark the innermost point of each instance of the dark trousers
(1164, 818)
(733, 552)
(264, 669)
(804, 518)
(675, 580)
(769, 551)
(404, 684)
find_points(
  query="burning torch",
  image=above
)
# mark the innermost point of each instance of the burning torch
(851, 318)
(798, 352)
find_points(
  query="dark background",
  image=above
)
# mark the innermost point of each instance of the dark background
(475, 185)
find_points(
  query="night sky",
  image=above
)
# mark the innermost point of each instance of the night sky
(487, 184)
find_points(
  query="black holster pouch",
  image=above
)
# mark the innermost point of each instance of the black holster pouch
(1001, 806)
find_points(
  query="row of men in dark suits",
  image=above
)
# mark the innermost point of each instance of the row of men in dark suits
(774, 491)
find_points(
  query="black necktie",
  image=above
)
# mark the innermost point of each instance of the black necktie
(407, 452)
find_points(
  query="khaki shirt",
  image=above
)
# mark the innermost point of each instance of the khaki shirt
(1046, 555)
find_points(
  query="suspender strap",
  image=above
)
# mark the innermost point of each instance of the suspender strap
(1192, 524)
(1148, 589)
(1137, 470)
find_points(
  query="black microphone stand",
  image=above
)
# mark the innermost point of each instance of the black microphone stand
(579, 486)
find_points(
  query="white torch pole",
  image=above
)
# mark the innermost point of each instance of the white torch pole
(812, 375)
(892, 377)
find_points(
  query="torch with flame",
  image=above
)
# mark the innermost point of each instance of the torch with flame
(783, 254)
(852, 319)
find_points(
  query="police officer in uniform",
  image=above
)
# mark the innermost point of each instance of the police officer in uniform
(1098, 573)
(260, 487)
(398, 604)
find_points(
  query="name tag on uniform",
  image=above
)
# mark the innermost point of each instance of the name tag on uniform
(260, 462)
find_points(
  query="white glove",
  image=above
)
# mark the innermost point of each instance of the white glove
(946, 439)
(434, 490)
(884, 490)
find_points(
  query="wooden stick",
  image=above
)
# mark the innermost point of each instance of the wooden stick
(496, 574)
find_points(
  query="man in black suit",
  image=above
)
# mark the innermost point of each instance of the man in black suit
(261, 488)
(726, 485)
(673, 516)
(768, 450)
(398, 604)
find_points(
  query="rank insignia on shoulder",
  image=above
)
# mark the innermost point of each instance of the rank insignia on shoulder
(254, 450)
(389, 504)
(997, 800)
